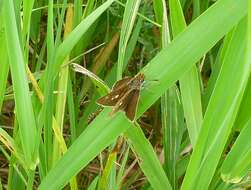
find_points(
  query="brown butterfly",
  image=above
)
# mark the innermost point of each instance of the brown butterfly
(124, 95)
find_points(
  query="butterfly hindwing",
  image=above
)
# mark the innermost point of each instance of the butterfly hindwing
(131, 107)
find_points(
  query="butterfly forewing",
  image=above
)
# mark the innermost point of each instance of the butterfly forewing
(121, 83)
(112, 98)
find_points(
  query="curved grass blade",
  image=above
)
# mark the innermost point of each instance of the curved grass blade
(95, 79)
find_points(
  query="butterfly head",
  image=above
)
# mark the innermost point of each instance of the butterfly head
(137, 81)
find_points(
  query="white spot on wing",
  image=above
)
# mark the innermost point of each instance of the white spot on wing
(115, 97)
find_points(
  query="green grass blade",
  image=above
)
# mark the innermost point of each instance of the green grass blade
(173, 128)
(216, 70)
(158, 10)
(129, 17)
(24, 110)
(110, 163)
(47, 107)
(60, 22)
(189, 82)
(240, 156)
(172, 117)
(27, 11)
(93, 184)
(217, 125)
(4, 61)
(71, 110)
(122, 168)
(244, 114)
(148, 160)
(196, 8)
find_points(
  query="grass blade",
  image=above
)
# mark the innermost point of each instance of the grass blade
(240, 155)
(189, 83)
(24, 110)
(130, 13)
(4, 61)
(148, 160)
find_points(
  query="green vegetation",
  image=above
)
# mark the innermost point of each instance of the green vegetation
(193, 118)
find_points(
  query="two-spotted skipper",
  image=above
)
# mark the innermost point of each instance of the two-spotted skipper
(124, 95)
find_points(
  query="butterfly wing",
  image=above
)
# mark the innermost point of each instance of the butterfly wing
(113, 97)
(122, 103)
(123, 82)
(118, 91)
(128, 104)
(132, 105)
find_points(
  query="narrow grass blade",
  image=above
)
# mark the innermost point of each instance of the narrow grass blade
(95, 79)
(171, 115)
(93, 185)
(48, 105)
(4, 61)
(196, 8)
(189, 82)
(24, 109)
(148, 160)
(122, 168)
(216, 70)
(130, 13)
(173, 128)
(244, 114)
(71, 110)
(240, 156)
(27, 11)
(104, 180)
(158, 10)
(217, 126)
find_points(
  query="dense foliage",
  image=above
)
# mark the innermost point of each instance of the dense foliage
(192, 124)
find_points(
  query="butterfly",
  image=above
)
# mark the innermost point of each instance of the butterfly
(124, 95)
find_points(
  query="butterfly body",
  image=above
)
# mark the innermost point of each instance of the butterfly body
(124, 95)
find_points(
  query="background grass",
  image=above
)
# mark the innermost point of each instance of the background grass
(195, 56)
